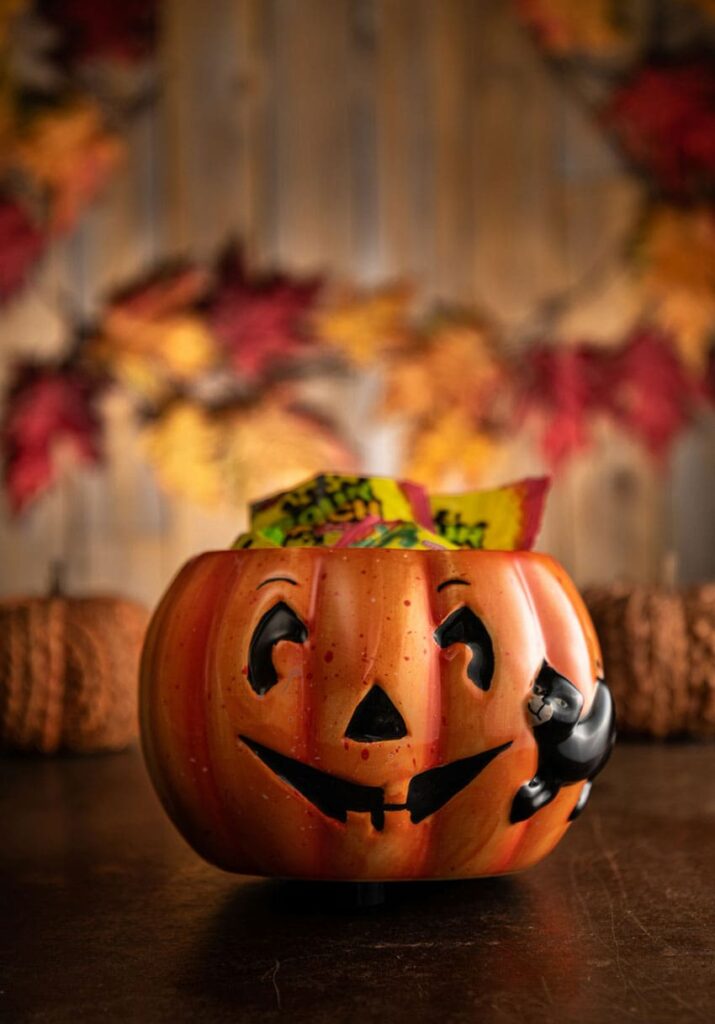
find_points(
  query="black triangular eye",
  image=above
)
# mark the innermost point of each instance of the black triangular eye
(279, 623)
(464, 627)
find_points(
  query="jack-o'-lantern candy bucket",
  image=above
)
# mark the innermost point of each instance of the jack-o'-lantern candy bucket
(399, 709)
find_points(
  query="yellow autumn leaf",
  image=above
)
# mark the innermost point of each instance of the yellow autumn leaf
(231, 456)
(449, 452)
(271, 446)
(363, 325)
(677, 260)
(566, 26)
(185, 446)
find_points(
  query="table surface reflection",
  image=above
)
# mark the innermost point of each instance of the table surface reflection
(107, 915)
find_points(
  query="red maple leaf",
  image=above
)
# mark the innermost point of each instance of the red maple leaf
(124, 30)
(651, 395)
(642, 386)
(562, 385)
(259, 321)
(664, 117)
(21, 244)
(48, 411)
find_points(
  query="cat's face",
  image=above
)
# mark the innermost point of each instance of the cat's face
(553, 699)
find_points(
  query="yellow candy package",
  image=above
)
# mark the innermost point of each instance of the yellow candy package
(253, 540)
(504, 519)
(337, 511)
(298, 517)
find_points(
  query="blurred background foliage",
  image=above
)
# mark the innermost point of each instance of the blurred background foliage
(244, 240)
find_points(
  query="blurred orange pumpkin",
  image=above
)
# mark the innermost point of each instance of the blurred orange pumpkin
(68, 673)
(363, 714)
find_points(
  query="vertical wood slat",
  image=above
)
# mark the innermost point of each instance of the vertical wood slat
(362, 99)
(691, 503)
(405, 154)
(518, 249)
(312, 213)
(253, 189)
(201, 83)
(454, 128)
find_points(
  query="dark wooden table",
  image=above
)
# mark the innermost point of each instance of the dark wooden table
(107, 916)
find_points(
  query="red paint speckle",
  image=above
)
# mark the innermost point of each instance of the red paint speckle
(244, 670)
(328, 655)
(365, 754)
(407, 603)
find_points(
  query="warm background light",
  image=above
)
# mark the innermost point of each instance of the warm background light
(441, 144)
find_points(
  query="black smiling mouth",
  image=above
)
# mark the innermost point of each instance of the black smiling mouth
(427, 792)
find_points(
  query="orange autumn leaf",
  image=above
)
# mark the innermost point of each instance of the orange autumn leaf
(567, 26)
(454, 365)
(450, 452)
(153, 334)
(69, 152)
(677, 256)
(363, 325)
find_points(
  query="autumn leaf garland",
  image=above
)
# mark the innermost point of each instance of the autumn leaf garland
(57, 150)
(211, 353)
(449, 382)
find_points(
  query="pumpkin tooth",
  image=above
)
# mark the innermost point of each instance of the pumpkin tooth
(330, 794)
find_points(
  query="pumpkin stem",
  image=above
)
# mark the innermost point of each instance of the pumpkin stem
(669, 569)
(57, 578)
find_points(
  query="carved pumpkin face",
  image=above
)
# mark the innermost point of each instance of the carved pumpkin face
(363, 714)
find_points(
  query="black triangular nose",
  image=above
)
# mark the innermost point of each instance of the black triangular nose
(376, 718)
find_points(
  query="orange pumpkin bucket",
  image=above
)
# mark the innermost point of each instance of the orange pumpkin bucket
(364, 714)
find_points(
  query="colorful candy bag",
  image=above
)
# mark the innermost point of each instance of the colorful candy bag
(333, 510)
(504, 519)
(253, 540)
(295, 517)
(378, 534)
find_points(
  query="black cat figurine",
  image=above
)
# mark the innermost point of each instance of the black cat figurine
(571, 749)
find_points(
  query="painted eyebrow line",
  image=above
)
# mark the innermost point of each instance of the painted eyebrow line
(275, 579)
(455, 582)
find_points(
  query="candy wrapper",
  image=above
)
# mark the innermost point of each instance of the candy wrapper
(336, 511)
(298, 517)
(252, 539)
(504, 519)
(377, 534)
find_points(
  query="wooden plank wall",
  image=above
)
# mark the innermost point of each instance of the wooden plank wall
(372, 139)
